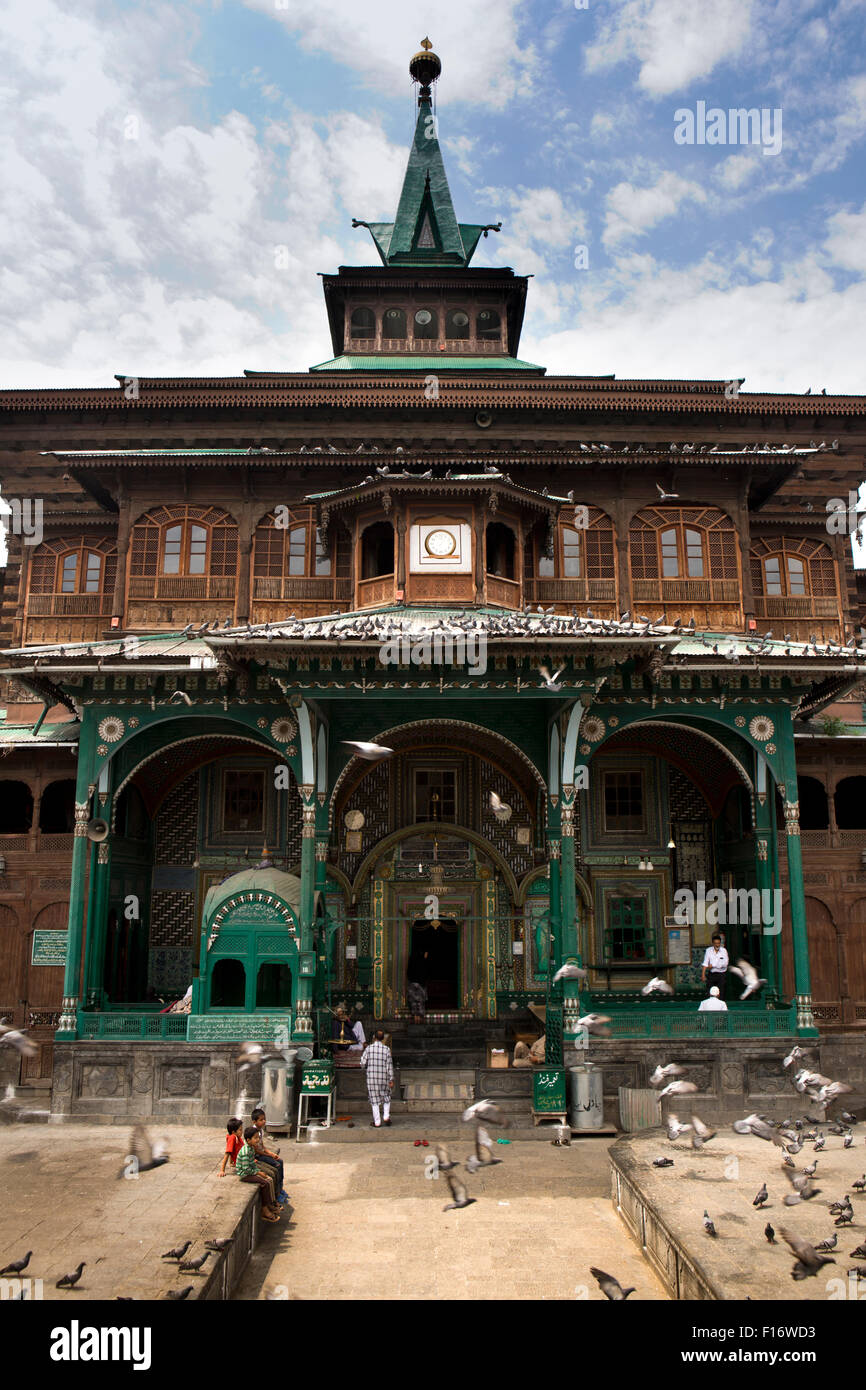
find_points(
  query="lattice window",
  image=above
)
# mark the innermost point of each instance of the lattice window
(184, 540)
(294, 548)
(684, 543)
(782, 565)
(81, 567)
(579, 553)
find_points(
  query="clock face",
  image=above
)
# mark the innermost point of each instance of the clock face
(440, 544)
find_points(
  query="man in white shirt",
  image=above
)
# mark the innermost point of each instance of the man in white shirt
(715, 965)
(714, 1004)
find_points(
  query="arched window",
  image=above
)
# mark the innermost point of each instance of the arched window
(68, 577)
(790, 568)
(377, 550)
(363, 323)
(394, 323)
(292, 559)
(684, 552)
(16, 808)
(457, 324)
(488, 324)
(425, 323)
(813, 804)
(583, 555)
(57, 808)
(184, 551)
(850, 801)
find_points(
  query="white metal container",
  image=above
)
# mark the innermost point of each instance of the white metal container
(587, 1097)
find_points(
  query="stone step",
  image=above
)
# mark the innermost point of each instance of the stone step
(438, 1090)
(462, 1076)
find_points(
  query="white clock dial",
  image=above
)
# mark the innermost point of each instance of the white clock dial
(440, 544)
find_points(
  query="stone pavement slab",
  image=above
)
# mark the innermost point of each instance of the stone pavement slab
(62, 1198)
(723, 1178)
(368, 1224)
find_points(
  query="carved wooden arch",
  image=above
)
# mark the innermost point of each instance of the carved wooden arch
(434, 827)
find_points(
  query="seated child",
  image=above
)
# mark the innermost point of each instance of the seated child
(248, 1172)
(234, 1140)
(266, 1158)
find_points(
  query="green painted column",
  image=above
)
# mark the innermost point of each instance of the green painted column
(570, 925)
(302, 987)
(796, 888)
(97, 918)
(764, 882)
(84, 792)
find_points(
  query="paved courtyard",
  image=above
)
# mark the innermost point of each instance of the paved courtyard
(367, 1223)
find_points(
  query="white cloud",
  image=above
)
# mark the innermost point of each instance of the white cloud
(674, 41)
(846, 244)
(484, 60)
(632, 211)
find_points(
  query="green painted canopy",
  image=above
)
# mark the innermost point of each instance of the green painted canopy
(426, 231)
(265, 880)
(358, 362)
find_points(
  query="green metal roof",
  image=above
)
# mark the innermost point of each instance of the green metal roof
(355, 362)
(22, 734)
(425, 231)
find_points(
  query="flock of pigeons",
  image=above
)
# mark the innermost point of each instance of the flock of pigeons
(789, 1135)
(144, 1155)
(744, 968)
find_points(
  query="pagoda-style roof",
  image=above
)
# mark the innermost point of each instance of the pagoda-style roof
(455, 483)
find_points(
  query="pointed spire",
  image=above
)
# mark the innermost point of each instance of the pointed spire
(425, 230)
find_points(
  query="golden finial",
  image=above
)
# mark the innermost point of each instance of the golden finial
(425, 44)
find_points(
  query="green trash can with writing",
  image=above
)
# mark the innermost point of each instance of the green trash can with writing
(317, 1077)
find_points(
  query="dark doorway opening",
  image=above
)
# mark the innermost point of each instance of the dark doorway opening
(228, 985)
(433, 962)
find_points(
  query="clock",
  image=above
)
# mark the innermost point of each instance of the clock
(440, 543)
(354, 820)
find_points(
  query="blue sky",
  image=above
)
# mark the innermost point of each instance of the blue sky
(155, 157)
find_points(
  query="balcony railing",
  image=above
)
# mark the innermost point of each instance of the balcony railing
(69, 605)
(280, 589)
(375, 591)
(686, 591)
(796, 606)
(646, 1021)
(503, 591)
(129, 1026)
(570, 590)
(475, 347)
(185, 586)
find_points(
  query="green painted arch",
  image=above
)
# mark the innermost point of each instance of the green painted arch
(460, 832)
(540, 871)
(627, 718)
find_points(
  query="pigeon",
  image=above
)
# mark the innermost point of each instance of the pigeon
(811, 1169)
(663, 1163)
(700, 1133)
(179, 1294)
(804, 1189)
(196, 1265)
(829, 1093)
(18, 1039)
(551, 682)
(666, 496)
(657, 986)
(859, 1253)
(761, 1196)
(500, 808)
(443, 1158)
(596, 1024)
(749, 976)
(458, 1192)
(794, 1055)
(678, 1088)
(770, 1234)
(144, 1154)
(482, 1158)
(819, 1143)
(370, 752)
(487, 1111)
(808, 1261)
(859, 1270)
(847, 1141)
(829, 1244)
(610, 1287)
(845, 1218)
(860, 1184)
(569, 971)
(708, 1225)
(753, 1124)
(17, 1266)
(662, 1073)
(178, 1252)
(848, 1117)
(218, 1245)
(675, 1129)
(252, 1054)
(68, 1281)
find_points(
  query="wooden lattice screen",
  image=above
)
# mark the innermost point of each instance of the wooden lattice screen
(818, 563)
(147, 533)
(718, 531)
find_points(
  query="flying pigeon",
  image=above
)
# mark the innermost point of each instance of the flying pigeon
(753, 1124)
(500, 808)
(569, 971)
(749, 975)
(17, 1038)
(678, 1088)
(666, 496)
(804, 1189)
(443, 1158)
(662, 1073)
(657, 986)
(370, 752)
(701, 1134)
(458, 1192)
(675, 1128)
(610, 1287)
(482, 1158)
(487, 1111)
(551, 682)
(146, 1155)
(808, 1261)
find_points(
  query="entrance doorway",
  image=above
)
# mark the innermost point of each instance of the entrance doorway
(433, 961)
